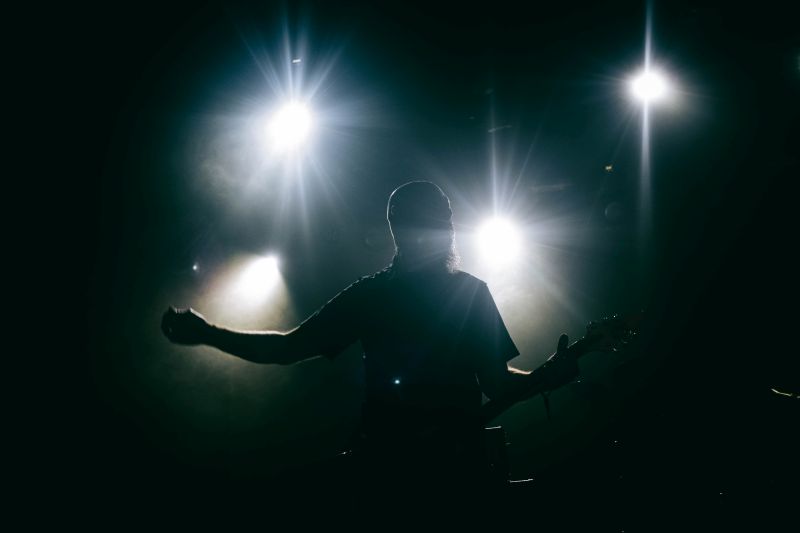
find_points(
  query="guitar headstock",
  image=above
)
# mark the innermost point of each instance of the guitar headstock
(610, 333)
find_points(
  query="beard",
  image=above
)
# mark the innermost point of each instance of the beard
(433, 253)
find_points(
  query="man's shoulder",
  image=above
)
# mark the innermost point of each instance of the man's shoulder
(385, 278)
(370, 281)
(466, 281)
(466, 277)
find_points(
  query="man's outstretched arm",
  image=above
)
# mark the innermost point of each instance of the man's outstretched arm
(186, 326)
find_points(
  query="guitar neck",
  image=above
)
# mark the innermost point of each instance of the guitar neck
(494, 408)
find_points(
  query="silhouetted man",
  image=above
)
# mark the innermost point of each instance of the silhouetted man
(433, 342)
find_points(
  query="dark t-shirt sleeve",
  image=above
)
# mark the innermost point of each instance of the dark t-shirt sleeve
(335, 325)
(491, 341)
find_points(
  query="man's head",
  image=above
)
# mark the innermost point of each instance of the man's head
(420, 219)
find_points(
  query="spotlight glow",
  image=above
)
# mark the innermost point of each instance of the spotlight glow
(258, 279)
(290, 126)
(499, 241)
(249, 293)
(649, 86)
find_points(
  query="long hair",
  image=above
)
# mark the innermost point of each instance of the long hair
(421, 222)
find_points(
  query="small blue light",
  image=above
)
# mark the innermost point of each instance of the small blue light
(397, 381)
(195, 267)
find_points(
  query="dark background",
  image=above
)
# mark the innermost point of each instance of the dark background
(687, 421)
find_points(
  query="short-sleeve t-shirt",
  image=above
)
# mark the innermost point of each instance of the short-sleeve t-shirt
(425, 336)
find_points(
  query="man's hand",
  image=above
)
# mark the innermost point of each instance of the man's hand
(184, 326)
(562, 368)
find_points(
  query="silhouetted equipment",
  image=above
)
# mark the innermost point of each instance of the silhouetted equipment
(448, 449)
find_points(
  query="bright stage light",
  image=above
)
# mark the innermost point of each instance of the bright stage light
(649, 86)
(499, 241)
(290, 126)
(249, 292)
(258, 279)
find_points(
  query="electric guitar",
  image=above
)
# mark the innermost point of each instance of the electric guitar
(606, 335)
